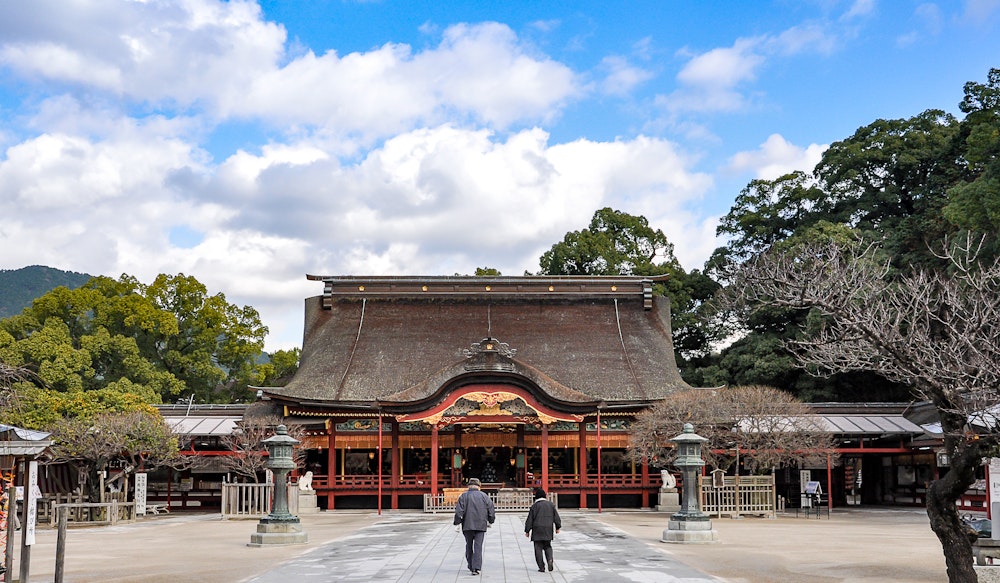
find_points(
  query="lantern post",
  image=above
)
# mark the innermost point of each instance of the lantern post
(689, 524)
(280, 527)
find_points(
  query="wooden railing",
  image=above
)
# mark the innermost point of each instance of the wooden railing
(254, 500)
(422, 481)
(94, 512)
(739, 495)
(513, 500)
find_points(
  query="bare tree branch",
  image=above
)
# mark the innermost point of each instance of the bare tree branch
(769, 427)
(934, 330)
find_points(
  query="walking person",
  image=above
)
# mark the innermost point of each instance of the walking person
(475, 512)
(543, 518)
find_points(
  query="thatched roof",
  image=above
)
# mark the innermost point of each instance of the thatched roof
(398, 340)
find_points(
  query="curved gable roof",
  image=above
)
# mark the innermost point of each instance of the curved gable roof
(392, 339)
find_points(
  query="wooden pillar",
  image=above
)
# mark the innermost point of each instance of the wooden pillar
(456, 473)
(583, 464)
(645, 483)
(521, 471)
(545, 457)
(331, 463)
(394, 479)
(434, 460)
(378, 460)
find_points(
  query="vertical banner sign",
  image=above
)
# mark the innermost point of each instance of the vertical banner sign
(805, 476)
(993, 476)
(140, 493)
(31, 499)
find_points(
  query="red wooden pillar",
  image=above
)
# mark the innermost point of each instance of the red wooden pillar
(645, 483)
(583, 464)
(379, 462)
(545, 457)
(331, 463)
(394, 479)
(600, 478)
(434, 460)
(829, 484)
(456, 473)
(522, 480)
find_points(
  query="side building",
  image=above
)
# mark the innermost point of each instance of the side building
(413, 385)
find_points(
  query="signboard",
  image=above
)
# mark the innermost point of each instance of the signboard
(140, 494)
(993, 485)
(813, 488)
(33, 494)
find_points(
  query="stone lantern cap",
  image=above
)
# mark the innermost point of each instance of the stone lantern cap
(689, 448)
(280, 437)
(689, 436)
(279, 448)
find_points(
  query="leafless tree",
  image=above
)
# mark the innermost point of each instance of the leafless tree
(767, 427)
(246, 443)
(936, 331)
(138, 438)
(10, 376)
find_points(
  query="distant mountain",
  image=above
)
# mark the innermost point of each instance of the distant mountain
(19, 287)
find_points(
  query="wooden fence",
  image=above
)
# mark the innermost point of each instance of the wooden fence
(739, 495)
(95, 513)
(254, 500)
(513, 500)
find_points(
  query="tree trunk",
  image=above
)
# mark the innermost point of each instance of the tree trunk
(943, 512)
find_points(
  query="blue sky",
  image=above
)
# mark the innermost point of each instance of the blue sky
(248, 143)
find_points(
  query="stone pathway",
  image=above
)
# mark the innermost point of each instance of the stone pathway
(425, 548)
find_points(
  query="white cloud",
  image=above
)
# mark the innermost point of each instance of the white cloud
(221, 58)
(621, 77)
(777, 157)
(477, 71)
(715, 80)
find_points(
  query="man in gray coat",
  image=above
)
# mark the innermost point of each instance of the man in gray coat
(475, 512)
(542, 519)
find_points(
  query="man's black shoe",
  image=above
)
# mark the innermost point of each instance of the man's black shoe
(541, 570)
(551, 566)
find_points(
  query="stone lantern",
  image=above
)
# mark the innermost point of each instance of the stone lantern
(690, 524)
(280, 527)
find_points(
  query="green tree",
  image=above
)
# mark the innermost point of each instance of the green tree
(974, 203)
(615, 243)
(155, 341)
(279, 368)
(892, 181)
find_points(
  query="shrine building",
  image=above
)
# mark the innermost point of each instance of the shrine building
(413, 385)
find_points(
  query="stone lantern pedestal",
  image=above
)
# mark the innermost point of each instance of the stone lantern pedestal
(280, 527)
(689, 525)
(669, 499)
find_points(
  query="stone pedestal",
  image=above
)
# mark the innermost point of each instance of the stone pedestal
(689, 531)
(669, 500)
(307, 502)
(986, 550)
(278, 532)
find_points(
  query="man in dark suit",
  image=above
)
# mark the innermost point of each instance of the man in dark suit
(543, 518)
(475, 512)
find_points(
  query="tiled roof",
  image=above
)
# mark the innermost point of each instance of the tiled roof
(586, 340)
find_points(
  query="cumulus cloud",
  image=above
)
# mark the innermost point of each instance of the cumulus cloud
(777, 157)
(433, 200)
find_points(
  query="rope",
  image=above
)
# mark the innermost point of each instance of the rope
(364, 302)
(621, 337)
